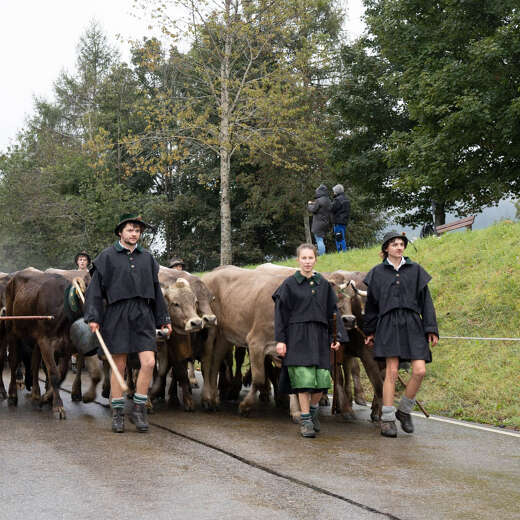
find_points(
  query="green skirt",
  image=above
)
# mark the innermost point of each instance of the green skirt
(309, 379)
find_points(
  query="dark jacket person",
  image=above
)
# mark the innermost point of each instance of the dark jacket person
(400, 323)
(340, 216)
(125, 278)
(320, 208)
(304, 306)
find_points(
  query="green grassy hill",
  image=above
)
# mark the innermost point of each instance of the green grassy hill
(476, 291)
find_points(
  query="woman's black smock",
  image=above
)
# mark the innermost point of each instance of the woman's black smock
(128, 282)
(303, 321)
(399, 311)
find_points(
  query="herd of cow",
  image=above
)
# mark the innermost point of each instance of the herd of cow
(214, 318)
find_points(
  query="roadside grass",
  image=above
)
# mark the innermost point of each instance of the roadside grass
(476, 290)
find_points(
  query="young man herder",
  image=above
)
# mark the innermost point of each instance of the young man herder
(176, 263)
(304, 307)
(126, 276)
(400, 324)
(82, 261)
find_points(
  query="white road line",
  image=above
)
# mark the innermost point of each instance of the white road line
(467, 425)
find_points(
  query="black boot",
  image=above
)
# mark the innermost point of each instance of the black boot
(388, 429)
(118, 420)
(138, 417)
(406, 421)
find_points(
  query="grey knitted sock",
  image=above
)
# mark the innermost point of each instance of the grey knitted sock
(406, 404)
(388, 413)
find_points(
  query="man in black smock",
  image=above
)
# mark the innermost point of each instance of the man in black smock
(304, 307)
(400, 321)
(125, 278)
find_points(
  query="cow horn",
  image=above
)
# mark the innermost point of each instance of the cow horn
(343, 286)
(358, 291)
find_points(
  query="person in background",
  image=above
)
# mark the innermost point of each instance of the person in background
(82, 261)
(340, 215)
(400, 325)
(176, 263)
(320, 208)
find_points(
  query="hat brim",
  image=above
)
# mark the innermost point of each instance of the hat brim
(133, 220)
(393, 237)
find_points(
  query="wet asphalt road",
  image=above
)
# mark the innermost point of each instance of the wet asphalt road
(223, 466)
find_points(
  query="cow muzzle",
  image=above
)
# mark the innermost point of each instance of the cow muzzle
(349, 321)
(193, 325)
(210, 320)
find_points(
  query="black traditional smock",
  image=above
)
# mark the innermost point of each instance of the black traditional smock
(128, 282)
(399, 311)
(303, 319)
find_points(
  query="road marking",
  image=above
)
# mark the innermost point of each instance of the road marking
(467, 425)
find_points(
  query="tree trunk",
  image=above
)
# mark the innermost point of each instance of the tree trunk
(307, 227)
(439, 213)
(226, 252)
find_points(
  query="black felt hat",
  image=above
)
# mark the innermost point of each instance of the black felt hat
(130, 217)
(390, 236)
(175, 261)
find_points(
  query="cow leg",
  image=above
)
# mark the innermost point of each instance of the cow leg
(187, 399)
(36, 361)
(92, 365)
(265, 392)
(225, 376)
(257, 356)
(191, 375)
(359, 393)
(344, 389)
(13, 364)
(105, 392)
(236, 382)
(210, 369)
(374, 374)
(173, 394)
(159, 383)
(294, 408)
(47, 349)
(75, 394)
(3, 393)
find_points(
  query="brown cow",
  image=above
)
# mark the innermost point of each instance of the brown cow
(91, 363)
(31, 292)
(181, 292)
(352, 283)
(245, 314)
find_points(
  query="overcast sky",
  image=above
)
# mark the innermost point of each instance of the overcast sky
(38, 40)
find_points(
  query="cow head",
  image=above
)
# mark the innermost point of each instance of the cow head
(351, 303)
(182, 305)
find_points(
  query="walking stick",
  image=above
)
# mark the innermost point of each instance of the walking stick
(109, 357)
(335, 391)
(401, 380)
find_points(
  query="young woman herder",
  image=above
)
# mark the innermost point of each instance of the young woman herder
(400, 324)
(304, 307)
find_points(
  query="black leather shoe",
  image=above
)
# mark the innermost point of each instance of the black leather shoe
(388, 429)
(138, 417)
(118, 420)
(406, 421)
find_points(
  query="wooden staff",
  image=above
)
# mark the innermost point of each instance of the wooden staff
(401, 380)
(109, 357)
(335, 391)
(26, 317)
